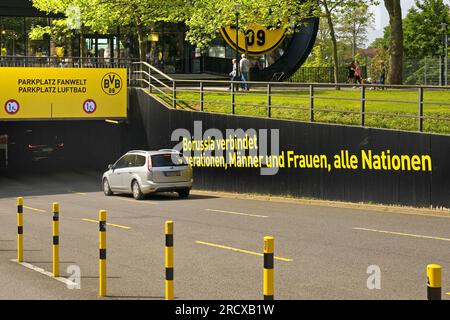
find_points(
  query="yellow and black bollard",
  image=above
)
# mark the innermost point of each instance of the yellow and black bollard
(55, 247)
(102, 247)
(268, 268)
(169, 260)
(434, 287)
(19, 229)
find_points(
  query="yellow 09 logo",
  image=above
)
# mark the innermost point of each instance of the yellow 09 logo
(260, 40)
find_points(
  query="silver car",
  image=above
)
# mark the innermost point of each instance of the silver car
(142, 172)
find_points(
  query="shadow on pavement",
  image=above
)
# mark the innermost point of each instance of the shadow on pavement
(51, 262)
(167, 196)
(134, 297)
(96, 277)
(27, 184)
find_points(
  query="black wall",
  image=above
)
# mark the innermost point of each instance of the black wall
(151, 126)
(87, 144)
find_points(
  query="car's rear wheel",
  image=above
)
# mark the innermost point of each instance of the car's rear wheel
(137, 193)
(106, 188)
(183, 193)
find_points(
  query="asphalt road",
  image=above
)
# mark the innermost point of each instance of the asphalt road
(324, 250)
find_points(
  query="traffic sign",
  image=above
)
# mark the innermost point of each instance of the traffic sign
(12, 106)
(89, 106)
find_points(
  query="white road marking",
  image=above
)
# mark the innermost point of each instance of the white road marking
(238, 213)
(46, 273)
(404, 234)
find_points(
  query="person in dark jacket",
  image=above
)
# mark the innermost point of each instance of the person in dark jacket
(351, 72)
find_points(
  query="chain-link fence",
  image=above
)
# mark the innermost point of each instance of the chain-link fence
(322, 74)
(429, 71)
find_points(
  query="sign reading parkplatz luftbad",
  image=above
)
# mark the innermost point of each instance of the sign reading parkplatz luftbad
(62, 93)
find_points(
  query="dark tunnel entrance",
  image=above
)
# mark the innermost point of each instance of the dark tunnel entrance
(59, 145)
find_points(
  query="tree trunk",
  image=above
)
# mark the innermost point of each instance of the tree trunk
(153, 53)
(141, 39)
(354, 42)
(334, 42)
(82, 46)
(395, 74)
(52, 52)
(69, 50)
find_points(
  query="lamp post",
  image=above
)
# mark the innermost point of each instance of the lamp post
(237, 6)
(445, 60)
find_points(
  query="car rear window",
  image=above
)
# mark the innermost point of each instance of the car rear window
(140, 161)
(168, 160)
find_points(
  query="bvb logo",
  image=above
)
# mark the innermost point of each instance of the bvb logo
(112, 83)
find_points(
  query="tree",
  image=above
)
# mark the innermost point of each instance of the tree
(422, 28)
(322, 51)
(396, 49)
(330, 10)
(206, 17)
(63, 29)
(353, 25)
(141, 14)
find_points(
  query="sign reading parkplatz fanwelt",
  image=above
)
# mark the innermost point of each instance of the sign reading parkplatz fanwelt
(61, 93)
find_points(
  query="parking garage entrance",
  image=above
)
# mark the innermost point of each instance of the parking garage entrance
(61, 117)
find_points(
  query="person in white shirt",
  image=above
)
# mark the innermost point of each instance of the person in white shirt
(244, 66)
(234, 75)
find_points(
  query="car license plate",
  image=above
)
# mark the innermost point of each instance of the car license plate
(47, 149)
(172, 173)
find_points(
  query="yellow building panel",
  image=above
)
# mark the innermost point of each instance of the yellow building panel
(62, 93)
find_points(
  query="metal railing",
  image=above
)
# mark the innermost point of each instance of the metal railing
(65, 62)
(154, 79)
(172, 91)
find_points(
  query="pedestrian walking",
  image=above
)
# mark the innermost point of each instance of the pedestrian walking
(244, 66)
(382, 74)
(351, 72)
(234, 75)
(358, 76)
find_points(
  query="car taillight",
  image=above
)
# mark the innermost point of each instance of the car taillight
(34, 146)
(59, 145)
(149, 164)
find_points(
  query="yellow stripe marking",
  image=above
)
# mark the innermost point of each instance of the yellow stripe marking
(108, 224)
(240, 250)
(404, 234)
(238, 213)
(34, 209)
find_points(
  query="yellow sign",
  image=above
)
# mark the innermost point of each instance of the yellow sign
(260, 40)
(62, 93)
